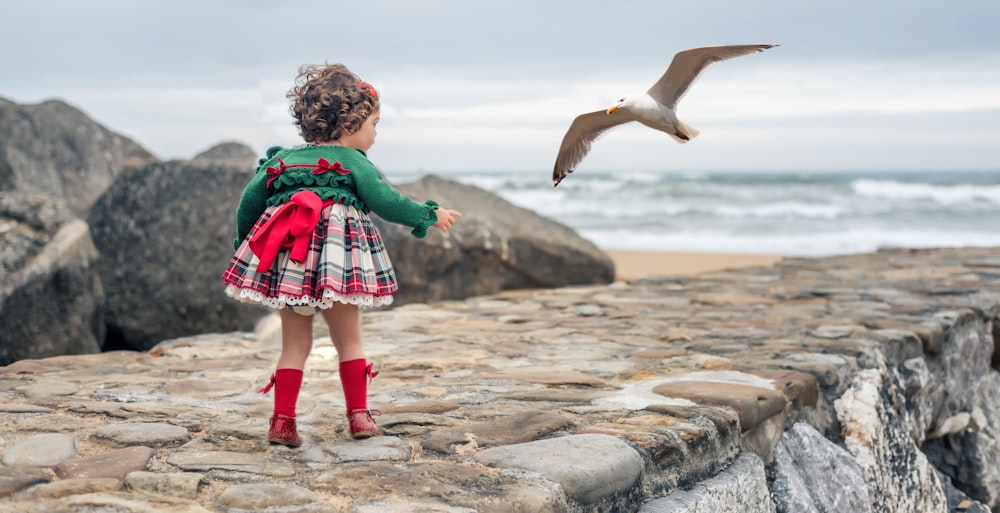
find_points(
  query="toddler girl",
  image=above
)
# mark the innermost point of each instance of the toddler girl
(305, 243)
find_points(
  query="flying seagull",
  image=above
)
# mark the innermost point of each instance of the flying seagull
(654, 108)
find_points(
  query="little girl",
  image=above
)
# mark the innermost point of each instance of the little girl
(306, 244)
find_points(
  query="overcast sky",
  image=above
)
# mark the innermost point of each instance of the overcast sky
(468, 85)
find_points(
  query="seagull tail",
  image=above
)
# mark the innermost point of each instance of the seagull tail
(685, 132)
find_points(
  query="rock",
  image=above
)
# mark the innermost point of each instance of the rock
(381, 448)
(589, 467)
(741, 488)
(53, 304)
(232, 155)
(116, 464)
(47, 450)
(899, 477)
(256, 497)
(149, 434)
(54, 149)
(78, 486)
(183, 485)
(28, 221)
(812, 474)
(497, 246)
(12, 482)
(165, 234)
(517, 428)
(971, 456)
(203, 461)
(439, 486)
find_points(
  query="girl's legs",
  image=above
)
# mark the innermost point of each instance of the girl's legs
(296, 340)
(296, 343)
(344, 322)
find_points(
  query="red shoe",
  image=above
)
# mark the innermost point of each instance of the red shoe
(362, 424)
(283, 431)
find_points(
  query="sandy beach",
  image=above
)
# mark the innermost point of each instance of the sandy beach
(630, 265)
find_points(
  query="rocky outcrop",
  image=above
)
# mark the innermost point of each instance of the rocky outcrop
(51, 305)
(54, 149)
(497, 246)
(623, 397)
(165, 233)
(54, 162)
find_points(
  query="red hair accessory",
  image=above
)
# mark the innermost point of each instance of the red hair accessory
(371, 89)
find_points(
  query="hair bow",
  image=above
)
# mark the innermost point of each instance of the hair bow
(371, 89)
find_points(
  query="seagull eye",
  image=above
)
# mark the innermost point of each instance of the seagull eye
(621, 100)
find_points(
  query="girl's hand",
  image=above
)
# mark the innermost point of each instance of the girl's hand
(446, 218)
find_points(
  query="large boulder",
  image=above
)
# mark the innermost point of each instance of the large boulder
(165, 234)
(495, 246)
(50, 304)
(54, 149)
(54, 162)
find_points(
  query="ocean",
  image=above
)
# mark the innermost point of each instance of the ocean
(780, 213)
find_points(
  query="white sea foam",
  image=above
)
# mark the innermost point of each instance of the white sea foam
(950, 194)
(764, 213)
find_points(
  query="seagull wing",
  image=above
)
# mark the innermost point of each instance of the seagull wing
(688, 64)
(584, 130)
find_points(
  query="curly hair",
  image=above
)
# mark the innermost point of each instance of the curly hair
(329, 101)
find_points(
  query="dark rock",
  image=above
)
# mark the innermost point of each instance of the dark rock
(165, 234)
(28, 221)
(52, 305)
(495, 246)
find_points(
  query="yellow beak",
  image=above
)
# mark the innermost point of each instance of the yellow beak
(612, 109)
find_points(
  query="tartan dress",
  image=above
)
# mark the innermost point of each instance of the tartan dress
(346, 262)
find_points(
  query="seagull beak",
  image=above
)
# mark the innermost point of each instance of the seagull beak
(612, 109)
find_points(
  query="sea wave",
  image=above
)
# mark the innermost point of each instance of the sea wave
(954, 194)
(769, 213)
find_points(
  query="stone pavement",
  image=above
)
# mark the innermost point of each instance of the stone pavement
(633, 396)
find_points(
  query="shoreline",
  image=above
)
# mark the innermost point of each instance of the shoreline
(636, 264)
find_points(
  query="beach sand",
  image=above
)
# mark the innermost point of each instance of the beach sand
(631, 265)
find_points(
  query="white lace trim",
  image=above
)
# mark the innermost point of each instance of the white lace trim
(327, 301)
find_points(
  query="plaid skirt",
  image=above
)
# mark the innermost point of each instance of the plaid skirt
(346, 263)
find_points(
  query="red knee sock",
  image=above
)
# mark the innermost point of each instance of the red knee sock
(286, 383)
(354, 377)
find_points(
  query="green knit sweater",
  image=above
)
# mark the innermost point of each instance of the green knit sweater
(342, 174)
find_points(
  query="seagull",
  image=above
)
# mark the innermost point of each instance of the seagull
(655, 108)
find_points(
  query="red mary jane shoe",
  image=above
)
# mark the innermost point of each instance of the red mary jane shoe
(283, 431)
(362, 424)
